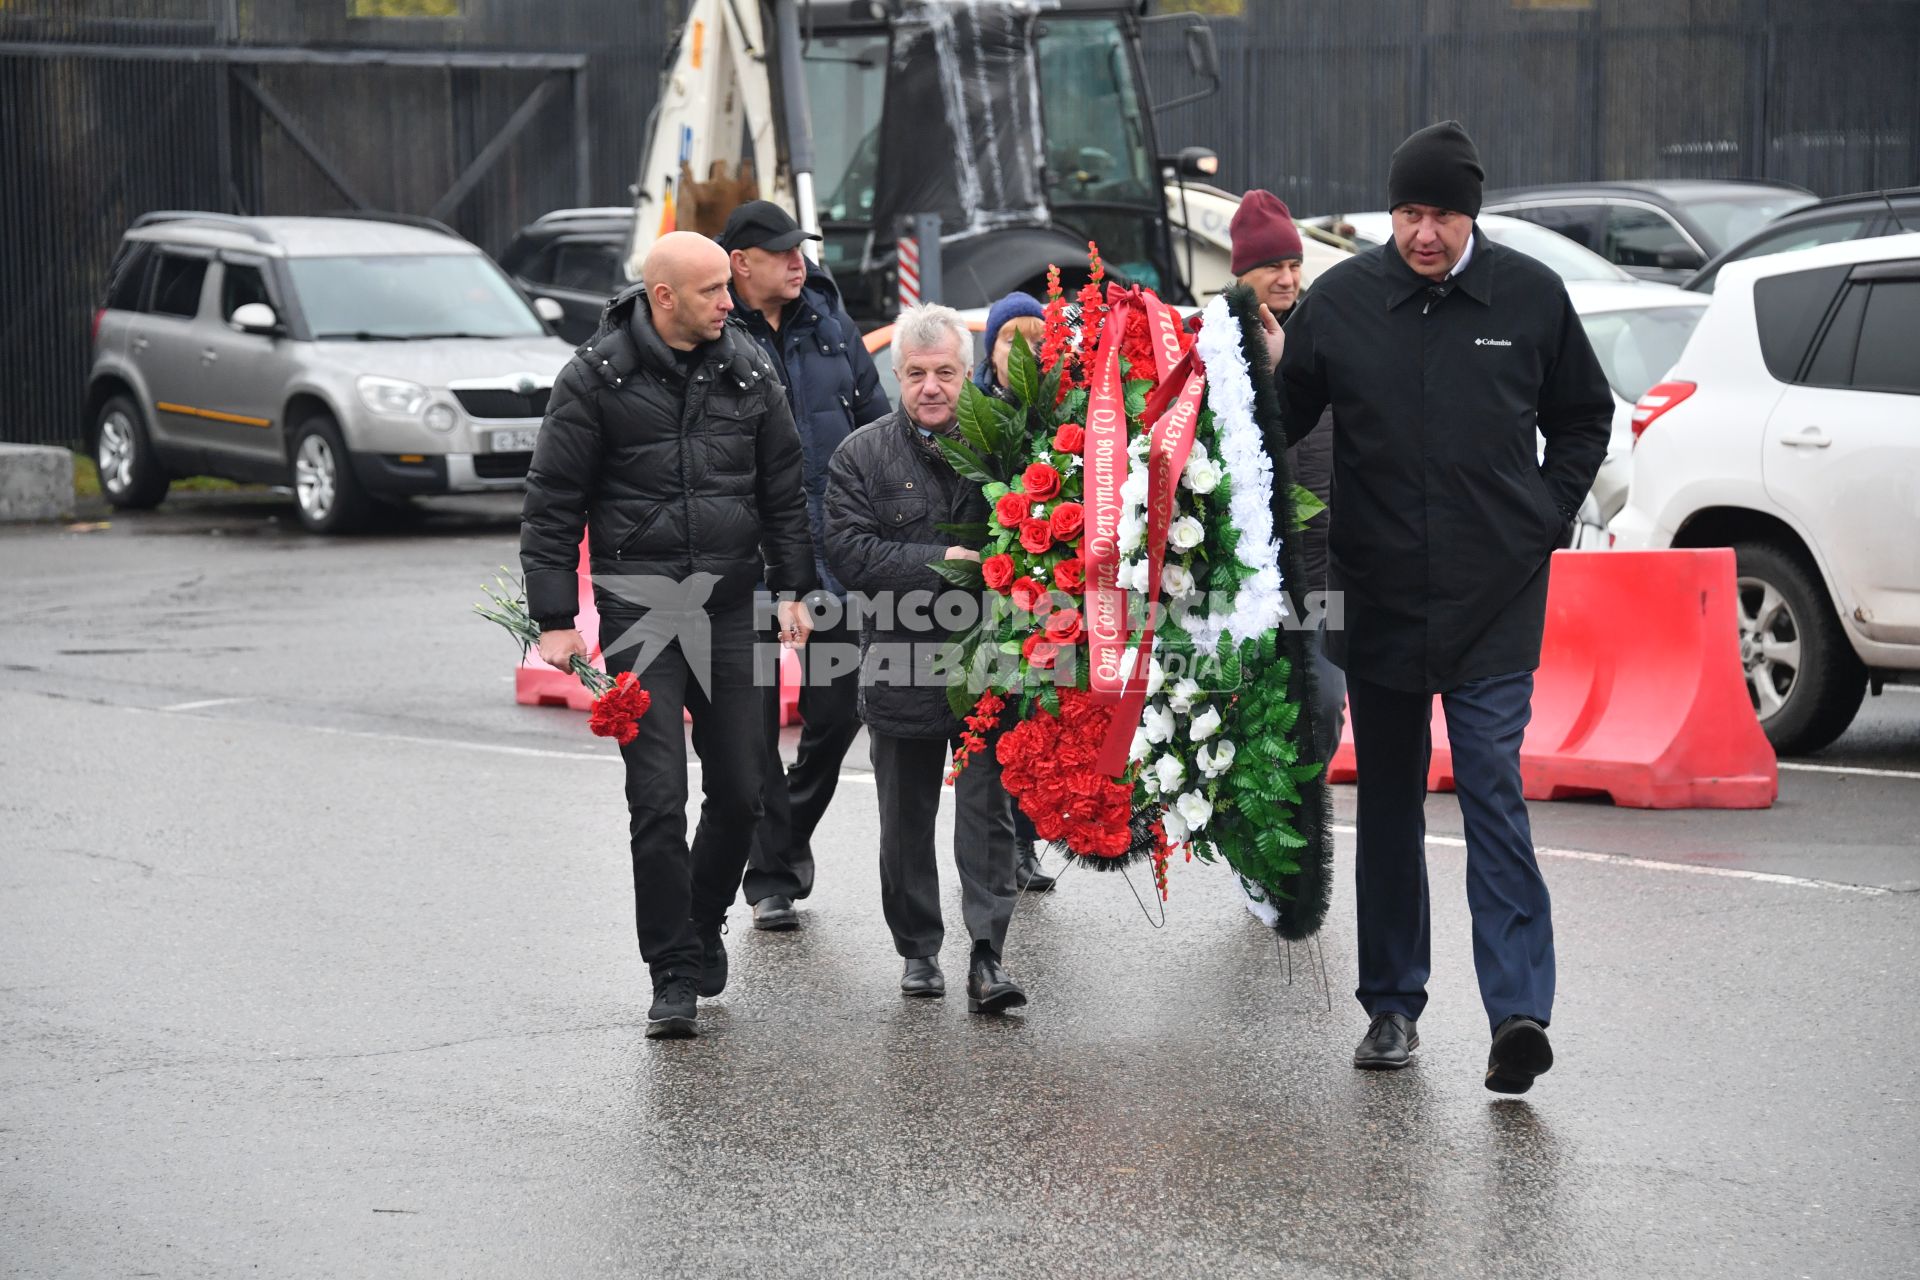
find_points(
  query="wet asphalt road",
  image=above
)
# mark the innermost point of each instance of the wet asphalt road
(317, 961)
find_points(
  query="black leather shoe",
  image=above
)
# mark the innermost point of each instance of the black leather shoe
(1026, 869)
(1389, 1043)
(1520, 1052)
(990, 988)
(923, 977)
(713, 958)
(775, 914)
(674, 1008)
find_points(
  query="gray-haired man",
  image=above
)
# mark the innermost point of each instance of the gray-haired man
(888, 490)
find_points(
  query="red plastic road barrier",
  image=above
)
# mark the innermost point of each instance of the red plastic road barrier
(1640, 695)
(536, 684)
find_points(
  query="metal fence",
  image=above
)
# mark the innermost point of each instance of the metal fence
(486, 118)
(1317, 93)
(498, 110)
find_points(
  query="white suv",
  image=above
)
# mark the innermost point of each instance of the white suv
(1789, 430)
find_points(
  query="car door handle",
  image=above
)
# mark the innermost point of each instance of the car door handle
(209, 355)
(1809, 438)
(140, 344)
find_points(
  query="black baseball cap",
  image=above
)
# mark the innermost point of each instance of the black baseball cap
(762, 224)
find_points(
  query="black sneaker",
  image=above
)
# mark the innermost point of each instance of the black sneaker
(1388, 1044)
(674, 1008)
(713, 958)
(1520, 1052)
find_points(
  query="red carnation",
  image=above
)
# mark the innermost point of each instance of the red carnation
(1041, 482)
(1070, 438)
(997, 572)
(1066, 520)
(1070, 575)
(1039, 651)
(1027, 595)
(1012, 509)
(617, 711)
(1035, 536)
(1063, 627)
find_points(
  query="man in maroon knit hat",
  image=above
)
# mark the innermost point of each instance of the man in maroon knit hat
(1266, 258)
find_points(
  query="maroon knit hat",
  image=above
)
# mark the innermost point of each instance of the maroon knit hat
(1262, 231)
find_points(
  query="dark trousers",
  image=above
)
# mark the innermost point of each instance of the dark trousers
(676, 886)
(1330, 703)
(781, 862)
(909, 773)
(1512, 923)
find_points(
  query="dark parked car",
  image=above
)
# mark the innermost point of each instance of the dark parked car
(1662, 231)
(1856, 217)
(577, 257)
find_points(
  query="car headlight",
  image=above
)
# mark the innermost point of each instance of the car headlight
(440, 417)
(391, 395)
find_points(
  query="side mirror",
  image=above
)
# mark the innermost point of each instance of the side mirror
(1203, 56)
(1192, 162)
(1679, 260)
(254, 317)
(548, 310)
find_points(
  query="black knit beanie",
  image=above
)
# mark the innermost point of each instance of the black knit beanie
(1437, 166)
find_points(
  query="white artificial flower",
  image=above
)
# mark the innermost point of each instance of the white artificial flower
(1134, 491)
(1137, 445)
(1186, 534)
(1132, 532)
(1184, 692)
(1205, 725)
(1157, 724)
(1073, 463)
(1039, 510)
(1194, 810)
(1149, 783)
(1176, 579)
(1138, 751)
(1169, 773)
(1156, 677)
(1175, 825)
(1216, 757)
(1201, 475)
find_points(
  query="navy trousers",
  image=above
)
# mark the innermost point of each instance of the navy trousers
(1512, 922)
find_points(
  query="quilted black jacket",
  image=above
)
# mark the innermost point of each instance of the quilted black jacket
(672, 469)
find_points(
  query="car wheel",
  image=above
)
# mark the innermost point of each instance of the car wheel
(131, 476)
(1805, 680)
(325, 488)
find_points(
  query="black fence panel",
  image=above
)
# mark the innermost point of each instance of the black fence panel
(112, 108)
(1317, 93)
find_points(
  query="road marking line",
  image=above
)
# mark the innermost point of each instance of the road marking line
(206, 702)
(1844, 768)
(1576, 855)
(1655, 864)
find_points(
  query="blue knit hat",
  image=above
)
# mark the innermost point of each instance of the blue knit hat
(1011, 307)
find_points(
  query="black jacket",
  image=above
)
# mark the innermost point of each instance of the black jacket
(832, 386)
(1443, 520)
(672, 470)
(887, 490)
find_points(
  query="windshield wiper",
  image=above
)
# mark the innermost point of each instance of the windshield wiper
(362, 335)
(421, 337)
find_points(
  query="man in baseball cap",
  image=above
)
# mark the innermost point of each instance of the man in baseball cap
(762, 224)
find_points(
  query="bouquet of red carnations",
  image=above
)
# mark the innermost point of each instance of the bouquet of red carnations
(618, 701)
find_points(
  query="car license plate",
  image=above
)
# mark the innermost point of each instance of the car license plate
(518, 440)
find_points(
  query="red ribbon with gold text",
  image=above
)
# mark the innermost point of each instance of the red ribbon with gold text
(1105, 458)
(1174, 412)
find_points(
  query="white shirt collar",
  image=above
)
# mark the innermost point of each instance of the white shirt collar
(1466, 256)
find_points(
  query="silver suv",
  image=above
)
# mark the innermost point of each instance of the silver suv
(354, 360)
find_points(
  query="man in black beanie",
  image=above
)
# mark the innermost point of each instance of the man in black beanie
(1441, 354)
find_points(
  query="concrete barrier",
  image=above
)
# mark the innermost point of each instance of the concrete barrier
(36, 482)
